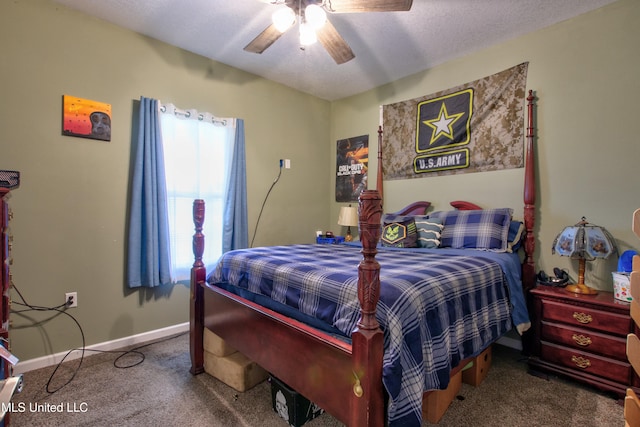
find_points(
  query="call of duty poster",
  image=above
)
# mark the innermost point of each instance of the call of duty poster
(351, 168)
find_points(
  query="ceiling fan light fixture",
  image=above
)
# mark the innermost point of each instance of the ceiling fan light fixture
(314, 24)
(283, 18)
(315, 16)
(307, 34)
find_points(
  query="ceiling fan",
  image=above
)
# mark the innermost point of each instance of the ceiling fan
(311, 15)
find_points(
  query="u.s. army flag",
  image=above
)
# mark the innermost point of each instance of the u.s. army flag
(475, 127)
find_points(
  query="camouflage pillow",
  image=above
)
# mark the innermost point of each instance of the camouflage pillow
(400, 234)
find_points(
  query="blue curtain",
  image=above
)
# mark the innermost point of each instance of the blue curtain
(235, 233)
(148, 258)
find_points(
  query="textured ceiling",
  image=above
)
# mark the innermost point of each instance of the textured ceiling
(387, 45)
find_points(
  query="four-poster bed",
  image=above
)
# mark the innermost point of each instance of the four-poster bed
(346, 368)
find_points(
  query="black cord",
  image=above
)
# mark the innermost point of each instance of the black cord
(58, 310)
(264, 202)
(83, 349)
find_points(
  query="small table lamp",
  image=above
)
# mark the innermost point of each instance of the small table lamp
(583, 241)
(348, 217)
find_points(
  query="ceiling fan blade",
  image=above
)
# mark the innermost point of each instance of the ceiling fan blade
(263, 40)
(333, 42)
(352, 6)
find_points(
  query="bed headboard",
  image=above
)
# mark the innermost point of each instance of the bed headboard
(529, 196)
(415, 208)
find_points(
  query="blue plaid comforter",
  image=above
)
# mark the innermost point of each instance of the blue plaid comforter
(435, 309)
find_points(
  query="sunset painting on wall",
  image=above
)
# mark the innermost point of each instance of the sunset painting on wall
(86, 118)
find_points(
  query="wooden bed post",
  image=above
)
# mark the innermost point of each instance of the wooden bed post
(196, 302)
(367, 338)
(528, 267)
(379, 176)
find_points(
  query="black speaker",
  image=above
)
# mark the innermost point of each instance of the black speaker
(9, 179)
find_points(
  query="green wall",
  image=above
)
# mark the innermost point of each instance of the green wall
(69, 223)
(70, 210)
(585, 73)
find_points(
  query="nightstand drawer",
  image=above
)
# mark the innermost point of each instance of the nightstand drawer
(585, 340)
(586, 317)
(586, 362)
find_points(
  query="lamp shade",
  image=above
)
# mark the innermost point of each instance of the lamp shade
(308, 35)
(283, 18)
(584, 240)
(348, 216)
(315, 16)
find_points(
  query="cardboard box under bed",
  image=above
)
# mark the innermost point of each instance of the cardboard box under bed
(229, 365)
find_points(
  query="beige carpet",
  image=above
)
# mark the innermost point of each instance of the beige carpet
(161, 392)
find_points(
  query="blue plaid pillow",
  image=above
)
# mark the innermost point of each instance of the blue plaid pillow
(486, 229)
(516, 233)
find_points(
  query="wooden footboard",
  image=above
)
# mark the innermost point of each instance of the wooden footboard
(314, 364)
(345, 380)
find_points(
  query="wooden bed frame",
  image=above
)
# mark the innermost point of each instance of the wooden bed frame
(345, 380)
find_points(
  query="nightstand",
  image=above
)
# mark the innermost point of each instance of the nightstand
(582, 337)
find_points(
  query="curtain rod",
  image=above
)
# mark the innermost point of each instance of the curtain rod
(187, 114)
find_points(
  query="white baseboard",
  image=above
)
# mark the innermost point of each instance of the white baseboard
(54, 359)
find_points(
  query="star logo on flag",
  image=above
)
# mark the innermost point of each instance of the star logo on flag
(443, 124)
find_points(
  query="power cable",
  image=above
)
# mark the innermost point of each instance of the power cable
(255, 231)
(62, 310)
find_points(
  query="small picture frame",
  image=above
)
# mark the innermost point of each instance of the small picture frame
(86, 118)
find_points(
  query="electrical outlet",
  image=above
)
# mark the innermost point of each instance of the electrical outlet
(287, 164)
(74, 299)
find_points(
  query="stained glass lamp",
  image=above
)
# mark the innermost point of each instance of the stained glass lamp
(584, 242)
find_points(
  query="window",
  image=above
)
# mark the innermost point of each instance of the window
(197, 156)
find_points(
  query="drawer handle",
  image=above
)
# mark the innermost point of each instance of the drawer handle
(581, 362)
(581, 340)
(582, 317)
